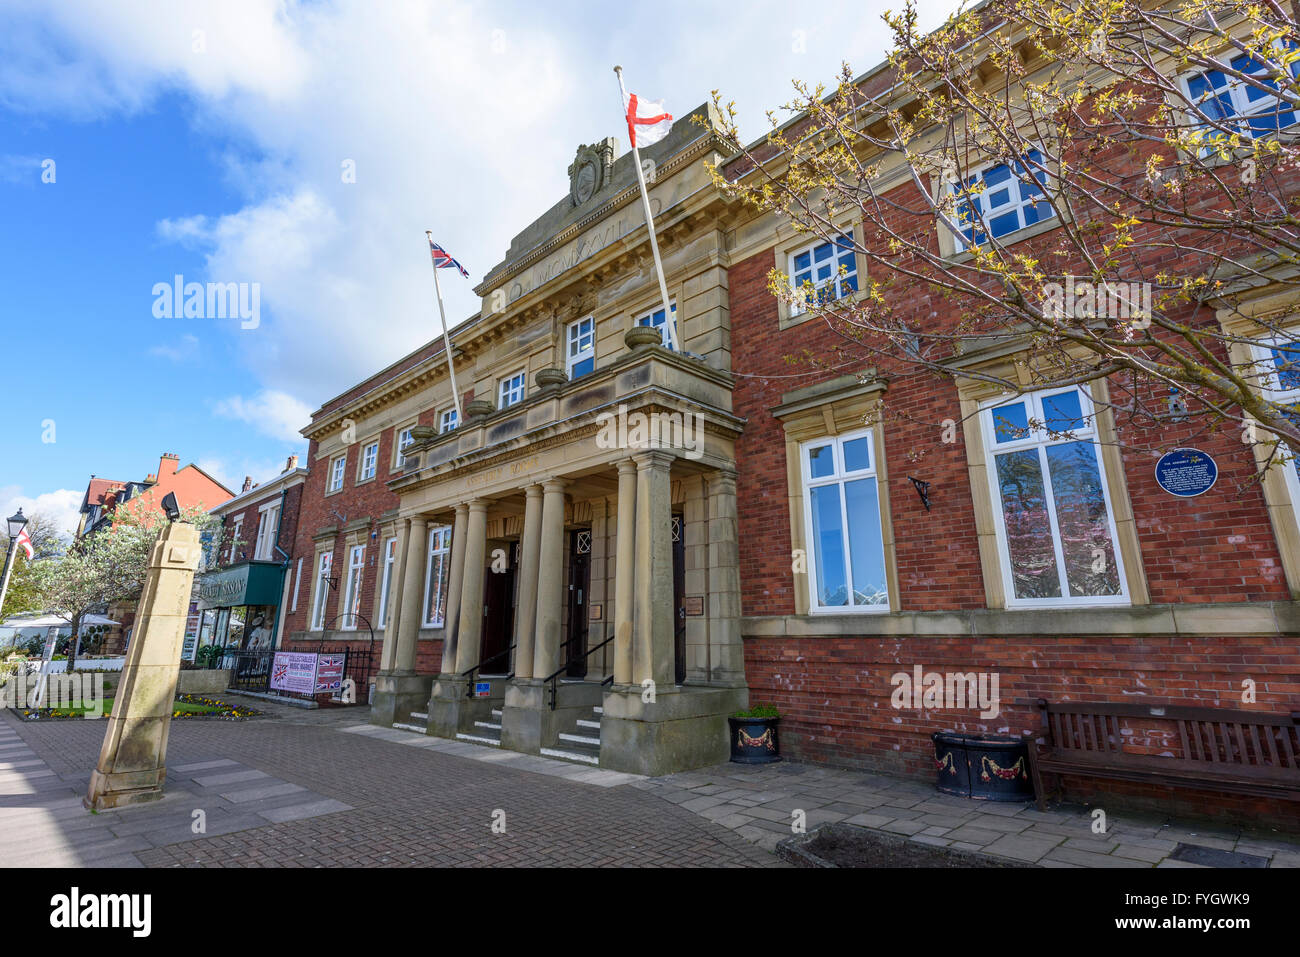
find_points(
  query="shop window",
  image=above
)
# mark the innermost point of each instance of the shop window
(352, 591)
(322, 586)
(1053, 516)
(655, 320)
(437, 572)
(842, 515)
(580, 351)
(823, 272)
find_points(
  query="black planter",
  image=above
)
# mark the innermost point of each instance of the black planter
(983, 767)
(755, 740)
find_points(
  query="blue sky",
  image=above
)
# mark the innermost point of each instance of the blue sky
(208, 139)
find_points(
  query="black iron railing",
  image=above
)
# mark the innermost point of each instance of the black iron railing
(553, 679)
(469, 675)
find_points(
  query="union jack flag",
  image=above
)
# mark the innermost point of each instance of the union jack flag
(442, 259)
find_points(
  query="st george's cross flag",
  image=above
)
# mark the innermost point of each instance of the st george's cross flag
(442, 259)
(647, 120)
(25, 543)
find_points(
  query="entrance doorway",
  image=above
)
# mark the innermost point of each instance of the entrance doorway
(499, 613)
(679, 602)
(575, 645)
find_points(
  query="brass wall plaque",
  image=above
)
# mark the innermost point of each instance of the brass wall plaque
(693, 605)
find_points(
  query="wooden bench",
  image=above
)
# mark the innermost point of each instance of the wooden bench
(1245, 752)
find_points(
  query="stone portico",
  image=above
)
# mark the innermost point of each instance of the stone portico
(625, 478)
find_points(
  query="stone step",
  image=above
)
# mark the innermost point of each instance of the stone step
(478, 739)
(406, 726)
(487, 724)
(579, 756)
(496, 712)
(420, 716)
(598, 710)
(584, 723)
(581, 739)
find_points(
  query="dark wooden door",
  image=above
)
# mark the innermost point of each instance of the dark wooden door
(575, 645)
(499, 615)
(679, 601)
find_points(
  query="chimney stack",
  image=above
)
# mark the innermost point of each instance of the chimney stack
(248, 484)
(292, 464)
(167, 463)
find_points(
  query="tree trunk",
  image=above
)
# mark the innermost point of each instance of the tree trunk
(72, 644)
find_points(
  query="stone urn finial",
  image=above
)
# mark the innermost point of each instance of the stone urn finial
(478, 409)
(640, 337)
(549, 379)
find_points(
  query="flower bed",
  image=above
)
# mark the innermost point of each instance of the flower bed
(185, 706)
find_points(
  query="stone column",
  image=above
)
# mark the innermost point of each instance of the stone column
(530, 549)
(412, 613)
(133, 760)
(550, 579)
(726, 651)
(388, 654)
(652, 653)
(625, 572)
(455, 579)
(469, 634)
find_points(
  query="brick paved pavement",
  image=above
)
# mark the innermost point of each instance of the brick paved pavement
(371, 801)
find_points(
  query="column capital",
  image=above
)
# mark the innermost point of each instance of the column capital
(626, 466)
(721, 476)
(478, 505)
(555, 484)
(533, 491)
(653, 460)
(462, 508)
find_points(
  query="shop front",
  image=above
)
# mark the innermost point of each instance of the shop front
(238, 616)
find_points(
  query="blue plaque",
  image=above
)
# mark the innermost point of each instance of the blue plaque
(1186, 472)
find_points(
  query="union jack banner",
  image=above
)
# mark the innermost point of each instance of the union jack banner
(442, 259)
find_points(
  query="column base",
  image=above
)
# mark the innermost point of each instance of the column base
(451, 710)
(397, 694)
(120, 789)
(683, 728)
(527, 722)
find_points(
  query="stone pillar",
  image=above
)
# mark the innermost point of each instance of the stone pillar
(388, 654)
(625, 572)
(550, 579)
(412, 616)
(726, 650)
(652, 653)
(455, 579)
(469, 633)
(526, 608)
(133, 760)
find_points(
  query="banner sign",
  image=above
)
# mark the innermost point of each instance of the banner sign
(482, 689)
(294, 671)
(329, 673)
(1186, 472)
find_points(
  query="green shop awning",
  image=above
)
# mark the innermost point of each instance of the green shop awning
(248, 583)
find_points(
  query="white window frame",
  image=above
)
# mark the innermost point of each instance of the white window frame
(646, 318)
(585, 341)
(352, 591)
(801, 305)
(369, 461)
(1243, 109)
(338, 467)
(297, 583)
(401, 441)
(506, 389)
(839, 477)
(439, 546)
(447, 420)
(1040, 440)
(1273, 391)
(324, 565)
(386, 578)
(1019, 204)
(269, 516)
(234, 539)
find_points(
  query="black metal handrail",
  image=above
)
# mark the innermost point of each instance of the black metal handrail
(469, 675)
(553, 679)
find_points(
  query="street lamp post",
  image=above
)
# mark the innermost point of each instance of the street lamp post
(16, 524)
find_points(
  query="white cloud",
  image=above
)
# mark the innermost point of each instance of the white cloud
(274, 413)
(459, 117)
(60, 506)
(185, 348)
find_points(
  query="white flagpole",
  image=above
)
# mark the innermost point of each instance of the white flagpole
(670, 322)
(446, 339)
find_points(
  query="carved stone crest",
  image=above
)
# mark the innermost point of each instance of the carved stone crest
(591, 169)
